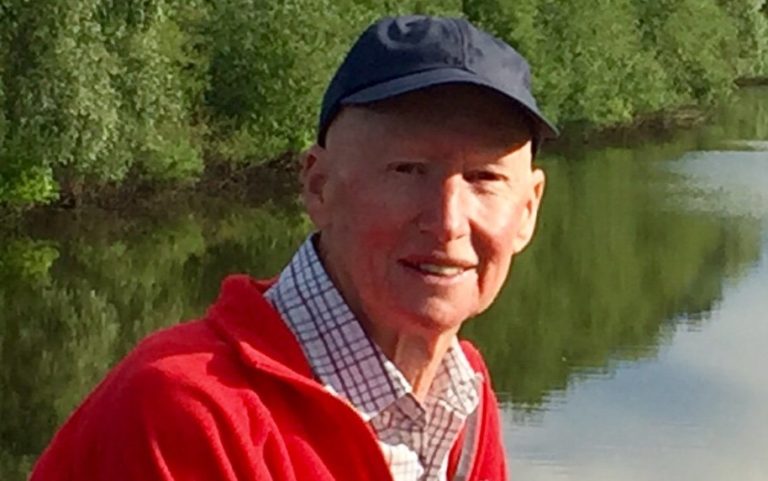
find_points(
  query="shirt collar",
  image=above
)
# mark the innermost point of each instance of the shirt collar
(345, 359)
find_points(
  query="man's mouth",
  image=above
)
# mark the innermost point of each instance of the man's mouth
(440, 269)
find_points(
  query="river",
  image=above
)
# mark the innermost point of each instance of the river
(628, 345)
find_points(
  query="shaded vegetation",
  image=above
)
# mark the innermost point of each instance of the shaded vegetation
(100, 92)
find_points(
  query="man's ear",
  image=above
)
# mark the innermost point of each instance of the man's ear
(530, 213)
(314, 178)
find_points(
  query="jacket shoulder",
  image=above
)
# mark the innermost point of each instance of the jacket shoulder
(164, 412)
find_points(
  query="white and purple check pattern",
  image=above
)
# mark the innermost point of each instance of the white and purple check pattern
(415, 437)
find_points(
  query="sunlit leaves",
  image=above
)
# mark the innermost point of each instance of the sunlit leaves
(98, 91)
(606, 61)
(90, 94)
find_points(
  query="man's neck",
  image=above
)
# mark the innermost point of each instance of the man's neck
(416, 355)
(417, 358)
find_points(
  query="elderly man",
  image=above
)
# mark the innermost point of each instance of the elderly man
(347, 366)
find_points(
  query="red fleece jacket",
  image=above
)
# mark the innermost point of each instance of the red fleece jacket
(232, 397)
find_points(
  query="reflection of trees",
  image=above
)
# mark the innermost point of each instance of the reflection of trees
(748, 119)
(71, 308)
(611, 270)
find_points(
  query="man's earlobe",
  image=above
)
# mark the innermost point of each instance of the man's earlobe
(527, 225)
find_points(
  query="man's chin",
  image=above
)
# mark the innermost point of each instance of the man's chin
(437, 317)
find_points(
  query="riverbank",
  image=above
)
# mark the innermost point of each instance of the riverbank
(753, 82)
(277, 179)
(256, 182)
(273, 182)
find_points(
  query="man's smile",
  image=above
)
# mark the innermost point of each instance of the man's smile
(439, 266)
(440, 270)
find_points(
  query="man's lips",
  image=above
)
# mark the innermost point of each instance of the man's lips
(438, 266)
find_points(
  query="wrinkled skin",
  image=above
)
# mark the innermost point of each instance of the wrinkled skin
(421, 202)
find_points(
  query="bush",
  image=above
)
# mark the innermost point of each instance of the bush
(98, 91)
(695, 43)
(269, 63)
(93, 90)
(606, 61)
(751, 20)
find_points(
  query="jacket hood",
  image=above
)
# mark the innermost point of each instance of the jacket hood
(242, 315)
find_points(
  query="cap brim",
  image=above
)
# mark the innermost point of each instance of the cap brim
(430, 78)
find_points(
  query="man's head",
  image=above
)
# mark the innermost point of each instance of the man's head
(423, 197)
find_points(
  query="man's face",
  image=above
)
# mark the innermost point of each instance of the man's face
(421, 202)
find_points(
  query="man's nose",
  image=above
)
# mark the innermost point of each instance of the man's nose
(445, 210)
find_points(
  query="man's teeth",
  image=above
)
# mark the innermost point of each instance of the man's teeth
(441, 270)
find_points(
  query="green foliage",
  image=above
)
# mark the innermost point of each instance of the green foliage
(269, 64)
(92, 91)
(100, 91)
(27, 260)
(606, 61)
(751, 20)
(700, 57)
(160, 80)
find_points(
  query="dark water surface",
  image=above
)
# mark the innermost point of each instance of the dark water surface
(629, 344)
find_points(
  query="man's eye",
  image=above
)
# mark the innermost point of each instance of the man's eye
(408, 168)
(483, 176)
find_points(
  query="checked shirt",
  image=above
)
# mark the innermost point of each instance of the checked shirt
(415, 437)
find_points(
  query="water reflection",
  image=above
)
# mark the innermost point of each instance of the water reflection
(588, 345)
(76, 301)
(697, 411)
(696, 407)
(613, 266)
(724, 183)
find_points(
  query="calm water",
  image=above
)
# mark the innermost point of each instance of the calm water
(629, 344)
(688, 398)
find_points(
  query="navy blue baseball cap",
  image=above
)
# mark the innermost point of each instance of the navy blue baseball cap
(397, 55)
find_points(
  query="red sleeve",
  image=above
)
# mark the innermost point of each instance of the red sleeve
(154, 424)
